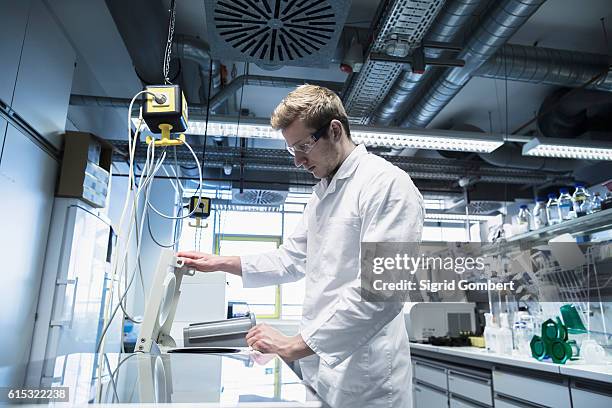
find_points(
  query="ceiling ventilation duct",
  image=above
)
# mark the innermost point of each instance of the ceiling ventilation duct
(499, 24)
(539, 65)
(274, 33)
(568, 113)
(268, 198)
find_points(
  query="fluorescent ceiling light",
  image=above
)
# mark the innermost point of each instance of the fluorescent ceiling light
(568, 148)
(370, 136)
(246, 129)
(439, 216)
(426, 139)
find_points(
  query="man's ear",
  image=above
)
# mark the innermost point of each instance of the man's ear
(337, 130)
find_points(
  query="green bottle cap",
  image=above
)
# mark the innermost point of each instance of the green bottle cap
(561, 330)
(550, 330)
(560, 351)
(538, 347)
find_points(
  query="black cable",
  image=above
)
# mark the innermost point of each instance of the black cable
(507, 125)
(245, 72)
(605, 33)
(242, 142)
(506, 91)
(169, 40)
(210, 79)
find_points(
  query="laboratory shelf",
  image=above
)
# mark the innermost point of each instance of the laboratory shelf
(588, 224)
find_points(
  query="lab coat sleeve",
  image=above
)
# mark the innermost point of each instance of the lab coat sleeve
(391, 211)
(286, 264)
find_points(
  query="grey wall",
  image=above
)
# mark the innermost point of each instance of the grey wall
(37, 63)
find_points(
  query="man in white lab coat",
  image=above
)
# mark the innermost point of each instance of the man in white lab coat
(354, 353)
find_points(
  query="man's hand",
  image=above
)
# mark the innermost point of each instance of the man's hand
(210, 263)
(266, 339)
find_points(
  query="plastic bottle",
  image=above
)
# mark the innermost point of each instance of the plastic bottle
(552, 210)
(539, 214)
(490, 333)
(504, 336)
(523, 331)
(523, 217)
(581, 200)
(565, 205)
(607, 201)
(596, 202)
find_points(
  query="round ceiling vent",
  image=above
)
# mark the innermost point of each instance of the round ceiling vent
(260, 197)
(276, 32)
(483, 207)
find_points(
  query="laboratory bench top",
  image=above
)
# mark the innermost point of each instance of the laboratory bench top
(239, 379)
(578, 369)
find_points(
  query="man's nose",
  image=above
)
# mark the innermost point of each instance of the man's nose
(299, 159)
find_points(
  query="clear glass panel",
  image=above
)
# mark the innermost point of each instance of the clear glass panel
(260, 300)
(250, 223)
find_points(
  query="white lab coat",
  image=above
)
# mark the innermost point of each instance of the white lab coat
(362, 351)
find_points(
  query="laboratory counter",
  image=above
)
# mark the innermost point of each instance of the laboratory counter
(236, 379)
(470, 377)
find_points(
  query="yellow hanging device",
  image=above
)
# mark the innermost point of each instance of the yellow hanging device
(165, 111)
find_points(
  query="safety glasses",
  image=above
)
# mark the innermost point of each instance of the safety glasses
(306, 147)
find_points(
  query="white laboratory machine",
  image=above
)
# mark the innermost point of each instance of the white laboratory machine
(438, 319)
(160, 310)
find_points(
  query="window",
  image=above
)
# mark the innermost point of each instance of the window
(265, 301)
(449, 231)
(232, 232)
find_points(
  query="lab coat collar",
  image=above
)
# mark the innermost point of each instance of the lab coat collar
(347, 168)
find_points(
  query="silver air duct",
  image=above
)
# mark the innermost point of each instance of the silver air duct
(499, 24)
(549, 66)
(199, 52)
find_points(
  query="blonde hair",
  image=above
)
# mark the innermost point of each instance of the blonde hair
(314, 105)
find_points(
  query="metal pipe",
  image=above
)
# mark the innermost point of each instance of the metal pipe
(143, 25)
(446, 28)
(549, 66)
(499, 24)
(199, 52)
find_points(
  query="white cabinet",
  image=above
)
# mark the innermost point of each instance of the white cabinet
(473, 386)
(13, 19)
(457, 402)
(430, 373)
(501, 402)
(591, 398)
(44, 80)
(549, 392)
(427, 397)
(74, 288)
